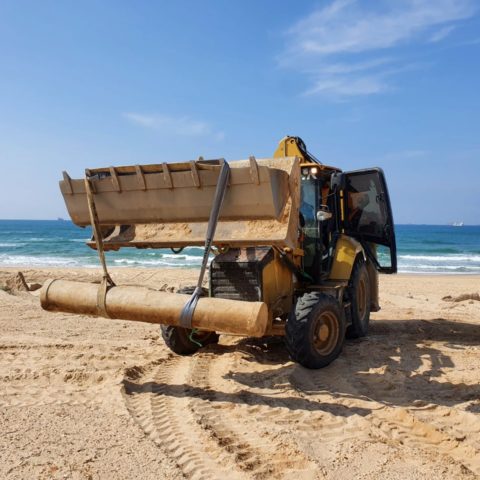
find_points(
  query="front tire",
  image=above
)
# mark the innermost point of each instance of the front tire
(360, 298)
(184, 341)
(315, 330)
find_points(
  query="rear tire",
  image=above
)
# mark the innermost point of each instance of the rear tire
(179, 339)
(360, 297)
(315, 330)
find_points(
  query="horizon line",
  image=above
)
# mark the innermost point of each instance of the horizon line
(60, 219)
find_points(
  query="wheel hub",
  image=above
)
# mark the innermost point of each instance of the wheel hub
(326, 333)
(323, 332)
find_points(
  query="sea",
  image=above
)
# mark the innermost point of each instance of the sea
(422, 249)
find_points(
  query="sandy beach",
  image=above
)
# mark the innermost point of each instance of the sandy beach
(89, 398)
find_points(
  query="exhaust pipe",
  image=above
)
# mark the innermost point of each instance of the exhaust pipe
(142, 304)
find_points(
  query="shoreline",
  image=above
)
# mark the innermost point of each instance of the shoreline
(61, 268)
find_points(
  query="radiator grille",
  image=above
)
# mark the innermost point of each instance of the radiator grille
(237, 274)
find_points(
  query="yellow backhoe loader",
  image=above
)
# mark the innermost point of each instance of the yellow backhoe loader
(297, 248)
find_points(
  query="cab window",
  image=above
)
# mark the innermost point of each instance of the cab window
(308, 206)
(366, 213)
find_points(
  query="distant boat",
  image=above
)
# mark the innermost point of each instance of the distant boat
(457, 224)
(60, 219)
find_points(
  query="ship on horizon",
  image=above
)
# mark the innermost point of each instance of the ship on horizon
(457, 224)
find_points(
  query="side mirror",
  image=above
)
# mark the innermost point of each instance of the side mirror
(322, 215)
(337, 181)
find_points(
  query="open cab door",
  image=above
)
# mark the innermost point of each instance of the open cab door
(368, 216)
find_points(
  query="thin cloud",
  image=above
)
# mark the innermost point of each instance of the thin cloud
(341, 47)
(441, 34)
(344, 86)
(181, 125)
(342, 68)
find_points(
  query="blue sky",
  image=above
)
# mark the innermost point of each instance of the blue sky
(386, 83)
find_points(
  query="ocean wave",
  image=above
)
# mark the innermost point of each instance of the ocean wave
(37, 261)
(195, 258)
(442, 258)
(446, 267)
(167, 260)
(443, 251)
(439, 272)
(160, 262)
(12, 245)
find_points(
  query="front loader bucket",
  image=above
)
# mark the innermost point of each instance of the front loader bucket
(143, 304)
(178, 192)
(163, 206)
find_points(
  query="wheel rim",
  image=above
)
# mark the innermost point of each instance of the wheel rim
(362, 298)
(326, 333)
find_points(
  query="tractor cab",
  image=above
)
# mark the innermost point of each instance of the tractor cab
(318, 215)
(335, 203)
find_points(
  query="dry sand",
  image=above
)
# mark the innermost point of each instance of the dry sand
(92, 398)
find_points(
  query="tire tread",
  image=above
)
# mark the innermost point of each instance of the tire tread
(297, 334)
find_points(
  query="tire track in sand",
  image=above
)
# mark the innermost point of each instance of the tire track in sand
(273, 401)
(239, 428)
(158, 401)
(430, 428)
(177, 405)
(60, 373)
(216, 417)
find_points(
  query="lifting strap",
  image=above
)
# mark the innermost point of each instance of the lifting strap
(189, 308)
(107, 281)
